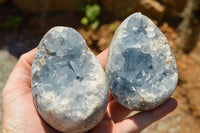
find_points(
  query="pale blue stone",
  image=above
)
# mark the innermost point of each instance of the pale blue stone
(141, 67)
(69, 86)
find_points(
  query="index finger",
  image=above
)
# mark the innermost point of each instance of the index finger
(141, 120)
(28, 57)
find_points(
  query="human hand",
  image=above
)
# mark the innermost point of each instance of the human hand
(19, 114)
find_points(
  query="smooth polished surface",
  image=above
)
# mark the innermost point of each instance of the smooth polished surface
(141, 67)
(69, 86)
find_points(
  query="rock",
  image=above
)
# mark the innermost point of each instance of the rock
(141, 67)
(69, 86)
(174, 8)
(178, 5)
(47, 5)
(151, 8)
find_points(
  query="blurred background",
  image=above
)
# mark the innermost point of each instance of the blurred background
(24, 22)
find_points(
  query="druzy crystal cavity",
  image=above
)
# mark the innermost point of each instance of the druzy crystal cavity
(69, 86)
(141, 67)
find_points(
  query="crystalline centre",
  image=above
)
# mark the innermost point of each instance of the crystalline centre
(69, 86)
(141, 67)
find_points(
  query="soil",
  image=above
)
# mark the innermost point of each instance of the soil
(185, 119)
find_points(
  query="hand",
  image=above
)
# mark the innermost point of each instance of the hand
(19, 114)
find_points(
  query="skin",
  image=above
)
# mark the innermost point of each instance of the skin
(19, 114)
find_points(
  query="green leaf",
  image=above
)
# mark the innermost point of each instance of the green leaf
(113, 27)
(92, 12)
(12, 22)
(95, 24)
(84, 21)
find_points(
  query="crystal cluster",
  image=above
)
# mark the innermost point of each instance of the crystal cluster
(69, 86)
(141, 67)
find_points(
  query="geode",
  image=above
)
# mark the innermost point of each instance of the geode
(141, 67)
(69, 86)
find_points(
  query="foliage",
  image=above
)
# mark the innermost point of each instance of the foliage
(113, 27)
(12, 22)
(91, 11)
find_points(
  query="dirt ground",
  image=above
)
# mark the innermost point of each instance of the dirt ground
(185, 119)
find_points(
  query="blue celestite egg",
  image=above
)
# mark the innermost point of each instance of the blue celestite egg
(141, 67)
(69, 86)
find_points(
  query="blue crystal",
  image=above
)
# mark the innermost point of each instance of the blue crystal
(141, 67)
(69, 86)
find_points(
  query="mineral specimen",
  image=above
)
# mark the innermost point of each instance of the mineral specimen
(69, 86)
(141, 68)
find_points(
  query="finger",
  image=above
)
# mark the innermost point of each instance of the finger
(143, 119)
(22, 69)
(24, 64)
(27, 58)
(105, 126)
(21, 74)
(111, 96)
(117, 111)
(102, 57)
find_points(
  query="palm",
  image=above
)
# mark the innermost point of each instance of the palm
(20, 114)
(24, 109)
